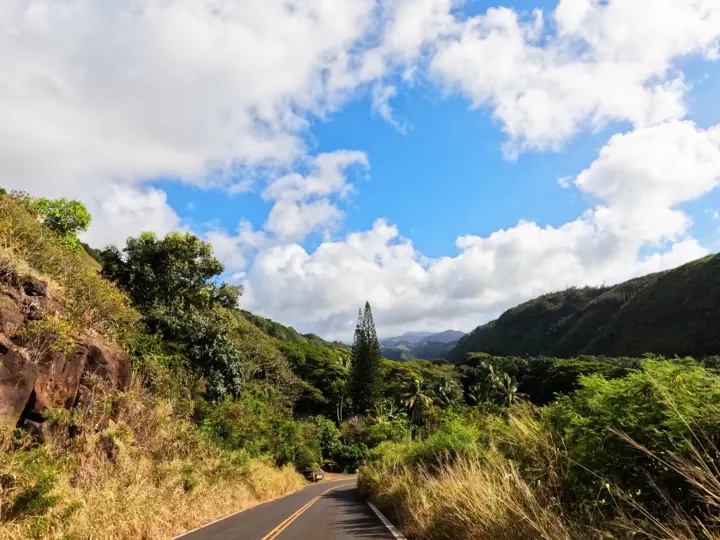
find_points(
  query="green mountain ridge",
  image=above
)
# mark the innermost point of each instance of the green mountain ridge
(288, 333)
(674, 312)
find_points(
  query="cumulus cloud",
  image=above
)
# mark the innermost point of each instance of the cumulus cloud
(121, 211)
(586, 64)
(99, 93)
(639, 179)
(303, 202)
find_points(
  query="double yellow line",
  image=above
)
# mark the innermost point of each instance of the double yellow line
(285, 524)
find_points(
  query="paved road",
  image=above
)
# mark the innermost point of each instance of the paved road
(325, 511)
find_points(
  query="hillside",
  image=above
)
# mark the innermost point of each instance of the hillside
(97, 438)
(669, 313)
(287, 333)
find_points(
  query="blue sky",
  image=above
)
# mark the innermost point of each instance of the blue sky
(441, 203)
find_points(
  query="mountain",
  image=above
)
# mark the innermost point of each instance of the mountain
(422, 345)
(447, 336)
(675, 312)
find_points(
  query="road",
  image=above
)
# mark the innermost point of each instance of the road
(325, 511)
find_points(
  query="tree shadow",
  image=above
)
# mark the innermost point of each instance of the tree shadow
(356, 519)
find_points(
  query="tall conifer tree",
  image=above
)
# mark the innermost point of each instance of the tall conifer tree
(365, 368)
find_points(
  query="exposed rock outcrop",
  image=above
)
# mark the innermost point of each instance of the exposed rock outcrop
(57, 378)
(17, 379)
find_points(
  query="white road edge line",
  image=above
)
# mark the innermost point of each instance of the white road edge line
(385, 521)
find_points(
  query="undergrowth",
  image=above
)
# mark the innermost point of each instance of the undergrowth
(126, 466)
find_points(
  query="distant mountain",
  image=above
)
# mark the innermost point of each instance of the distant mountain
(447, 336)
(676, 312)
(423, 345)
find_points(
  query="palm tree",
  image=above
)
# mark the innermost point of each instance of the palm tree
(417, 401)
(506, 390)
(385, 411)
(446, 394)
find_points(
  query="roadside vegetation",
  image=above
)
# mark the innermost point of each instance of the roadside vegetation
(224, 408)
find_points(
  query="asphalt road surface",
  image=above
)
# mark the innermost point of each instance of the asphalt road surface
(325, 511)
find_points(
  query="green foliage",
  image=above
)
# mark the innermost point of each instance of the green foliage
(260, 424)
(454, 437)
(485, 377)
(325, 374)
(65, 218)
(564, 323)
(28, 488)
(172, 282)
(300, 444)
(667, 409)
(174, 274)
(365, 363)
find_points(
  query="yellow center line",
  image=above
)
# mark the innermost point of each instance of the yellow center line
(285, 524)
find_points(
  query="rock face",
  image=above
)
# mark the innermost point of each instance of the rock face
(58, 378)
(17, 379)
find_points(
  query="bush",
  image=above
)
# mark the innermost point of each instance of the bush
(622, 434)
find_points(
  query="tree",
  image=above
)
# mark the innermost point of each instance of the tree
(417, 401)
(173, 274)
(172, 282)
(65, 218)
(365, 362)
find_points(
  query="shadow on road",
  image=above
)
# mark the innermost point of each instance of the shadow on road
(356, 518)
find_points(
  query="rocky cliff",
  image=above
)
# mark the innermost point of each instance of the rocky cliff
(46, 362)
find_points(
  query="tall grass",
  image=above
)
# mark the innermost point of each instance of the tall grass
(514, 489)
(126, 466)
(466, 499)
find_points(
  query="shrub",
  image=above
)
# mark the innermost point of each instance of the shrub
(620, 434)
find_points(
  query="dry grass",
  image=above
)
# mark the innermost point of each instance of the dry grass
(32, 248)
(468, 499)
(127, 467)
(486, 496)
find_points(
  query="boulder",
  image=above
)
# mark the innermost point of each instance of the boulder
(17, 380)
(109, 363)
(59, 375)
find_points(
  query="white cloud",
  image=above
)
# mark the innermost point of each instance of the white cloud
(302, 202)
(99, 93)
(381, 96)
(639, 178)
(606, 61)
(121, 211)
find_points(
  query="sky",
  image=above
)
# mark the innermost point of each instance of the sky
(443, 160)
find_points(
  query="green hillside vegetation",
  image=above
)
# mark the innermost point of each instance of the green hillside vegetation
(669, 313)
(274, 329)
(288, 333)
(678, 315)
